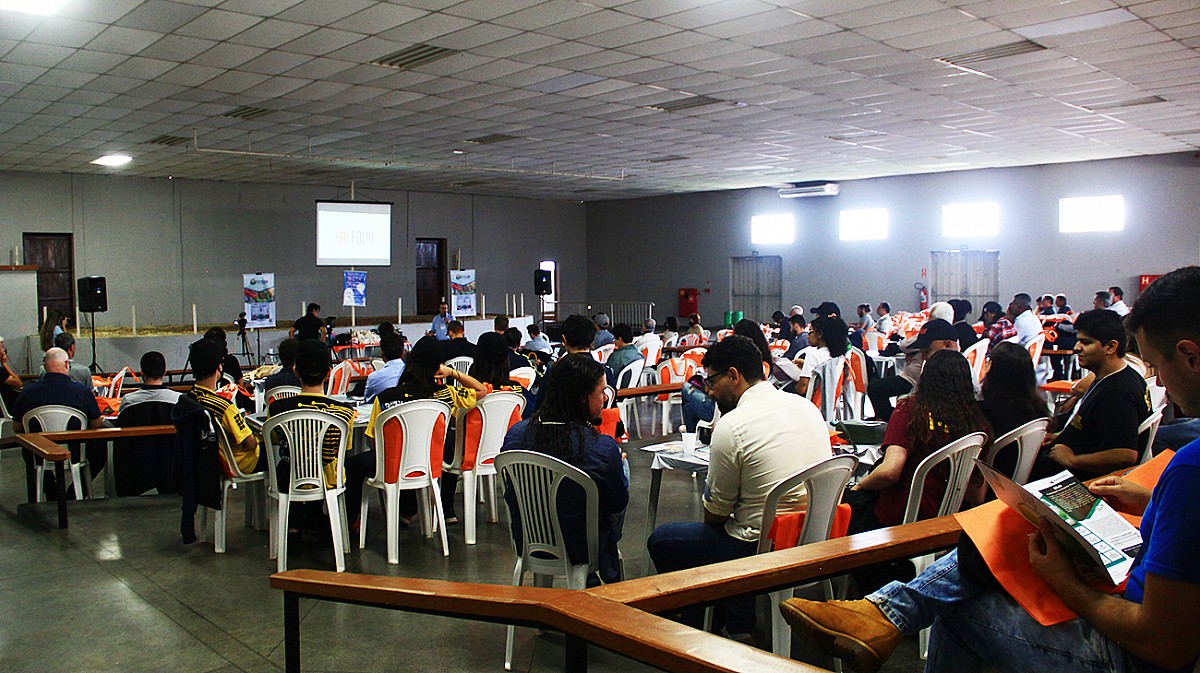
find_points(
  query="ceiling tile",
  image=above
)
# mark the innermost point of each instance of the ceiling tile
(121, 40)
(217, 24)
(65, 32)
(160, 16)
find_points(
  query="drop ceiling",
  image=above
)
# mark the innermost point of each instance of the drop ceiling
(605, 99)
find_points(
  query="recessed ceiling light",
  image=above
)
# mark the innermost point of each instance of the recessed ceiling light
(113, 160)
(43, 7)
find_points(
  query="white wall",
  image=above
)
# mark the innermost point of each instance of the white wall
(646, 249)
(166, 244)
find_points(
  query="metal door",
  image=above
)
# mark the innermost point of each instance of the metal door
(756, 286)
(973, 275)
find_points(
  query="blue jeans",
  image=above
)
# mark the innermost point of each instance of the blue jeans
(689, 544)
(1176, 434)
(972, 624)
(697, 406)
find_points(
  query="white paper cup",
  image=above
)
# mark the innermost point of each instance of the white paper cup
(690, 441)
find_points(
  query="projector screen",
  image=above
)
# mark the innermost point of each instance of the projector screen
(354, 234)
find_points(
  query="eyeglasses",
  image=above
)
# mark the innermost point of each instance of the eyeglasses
(710, 380)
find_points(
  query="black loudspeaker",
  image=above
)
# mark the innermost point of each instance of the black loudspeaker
(93, 294)
(541, 282)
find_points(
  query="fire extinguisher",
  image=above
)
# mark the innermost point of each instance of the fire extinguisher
(922, 295)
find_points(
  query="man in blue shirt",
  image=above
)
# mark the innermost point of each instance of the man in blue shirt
(1152, 626)
(55, 387)
(392, 347)
(440, 328)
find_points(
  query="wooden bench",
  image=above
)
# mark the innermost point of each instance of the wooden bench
(49, 446)
(621, 617)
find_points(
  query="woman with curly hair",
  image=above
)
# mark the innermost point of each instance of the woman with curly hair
(940, 410)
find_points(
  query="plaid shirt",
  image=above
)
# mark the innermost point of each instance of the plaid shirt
(999, 331)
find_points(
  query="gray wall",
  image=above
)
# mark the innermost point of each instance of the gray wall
(646, 249)
(166, 244)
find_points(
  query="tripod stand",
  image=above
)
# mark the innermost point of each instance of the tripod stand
(95, 368)
(244, 340)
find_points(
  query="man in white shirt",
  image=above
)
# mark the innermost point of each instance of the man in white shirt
(764, 436)
(1020, 311)
(1118, 301)
(647, 337)
(884, 324)
(392, 347)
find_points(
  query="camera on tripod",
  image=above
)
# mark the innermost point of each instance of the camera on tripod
(241, 323)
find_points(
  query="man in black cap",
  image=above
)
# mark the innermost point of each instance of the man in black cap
(828, 309)
(934, 336)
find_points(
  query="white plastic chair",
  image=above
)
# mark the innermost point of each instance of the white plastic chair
(304, 432)
(672, 370)
(976, 355)
(58, 418)
(338, 382)
(628, 378)
(422, 425)
(652, 353)
(117, 382)
(7, 427)
(524, 375)
(779, 347)
(1158, 394)
(475, 453)
(1150, 427)
(1035, 346)
(279, 393)
(722, 333)
(1138, 364)
(961, 453)
(692, 340)
(832, 407)
(462, 365)
(220, 523)
(377, 364)
(856, 389)
(874, 341)
(602, 353)
(535, 480)
(1028, 439)
(824, 484)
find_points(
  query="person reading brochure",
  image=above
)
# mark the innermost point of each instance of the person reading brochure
(1151, 626)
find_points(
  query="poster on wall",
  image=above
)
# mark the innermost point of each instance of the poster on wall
(259, 299)
(462, 292)
(355, 288)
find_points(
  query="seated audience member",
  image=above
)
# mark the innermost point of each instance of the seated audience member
(942, 310)
(312, 367)
(456, 345)
(935, 335)
(864, 321)
(440, 327)
(385, 328)
(884, 324)
(1010, 397)
(230, 365)
(1045, 304)
(309, 325)
(796, 309)
(996, 325)
(286, 376)
(76, 372)
(670, 333)
(941, 409)
(392, 348)
(1102, 299)
(603, 336)
(764, 435)
(966, 334)
(10, 381)
(797, 335)
(423, 378)
(538, 342)
(625, 352)
(56, 387)
(827, 339)
(142, 463)
(697, 405)
(1020, 311)
(206, 357)
(648, 338)
(1118, 301)
(1061, 307)
(516, 360)
(562, 428)
(693, 337)
(1150, 626)
(1100, 435)
(827, 309)
(491, 365)
(500, 324)
(779, 325)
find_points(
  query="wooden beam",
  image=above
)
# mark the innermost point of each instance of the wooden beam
(43, 447)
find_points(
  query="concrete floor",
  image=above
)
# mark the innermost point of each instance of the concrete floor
(119, 592)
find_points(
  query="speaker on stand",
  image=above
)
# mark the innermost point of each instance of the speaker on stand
(543, 284)
(93, 299)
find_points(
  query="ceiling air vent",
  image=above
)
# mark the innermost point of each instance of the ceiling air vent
(999, 51)
(416, 55)
(490, 139)
(171, 141)
(685, 103)
(1147, 100)
(249, 112)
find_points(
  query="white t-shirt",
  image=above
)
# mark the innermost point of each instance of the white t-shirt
(768, 437)
(813, 358)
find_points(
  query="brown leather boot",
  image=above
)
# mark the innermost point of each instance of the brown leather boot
(855, 631)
